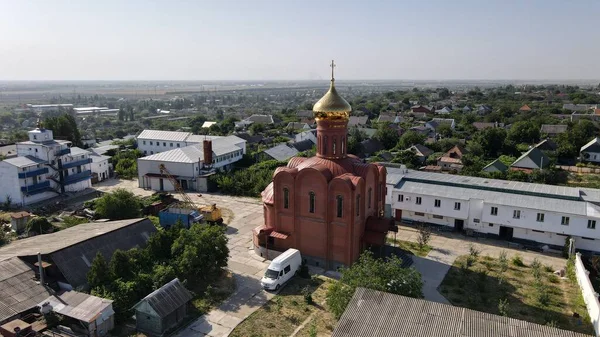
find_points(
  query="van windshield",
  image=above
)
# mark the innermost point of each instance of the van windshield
(272, 274)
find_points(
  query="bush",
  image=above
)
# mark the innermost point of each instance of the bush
(570, 270)
(542, 295)
(470, 261)
(307, 294)
(424, 235)
(120, 204)
(518, 261)
(39, 225)
(503, 307)
(473, 251)
(503, 261)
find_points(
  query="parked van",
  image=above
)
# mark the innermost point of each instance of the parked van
(281, 269)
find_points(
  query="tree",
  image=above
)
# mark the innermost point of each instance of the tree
(120, 266)
(408, 158)
(378, 274)
(444, 130)
(492, 141)
(411, 138)
(38, 225)
(64, 126)
(524, 132)
(256, 128)
(386, 135)
(98, 275)
(200, 253)
(117, 205)
(424, 235)
(121, 114)
(355, 137)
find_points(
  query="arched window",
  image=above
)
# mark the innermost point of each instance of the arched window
(343, 145)
(369, 198)
(340, 205)
(311, 202)
(324, 145)
(358, 205)
(334, 143)
(286, 198)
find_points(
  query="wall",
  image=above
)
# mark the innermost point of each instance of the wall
(9, 184)
(157, 146)
(100, 167)
(589, 295)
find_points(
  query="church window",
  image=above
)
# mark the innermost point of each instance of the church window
(369, 198)
(286, 198)
(334, 143)
(325, 145)
(343, 145)
(311, 202)
(340, 205)
(358, 205)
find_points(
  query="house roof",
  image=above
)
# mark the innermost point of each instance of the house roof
(483, 125)
(525, 108)
(175, 136)
(532, 159)
(449, 121)
(553, 129)
(303, 145)
(357, 120)
(374, 313)
(421, 150)
(167, 298)
(371, 146)
(103, 149)
(19, 291)
(249, 138)
(496, 165)
(19, 215)
(305, 113)
(8, 150)
(386, 118)
(592, 146)
(297, 125)
(456, 149)
(77, 151)
(96, 158)
(208, 124)
(188, 154)
(261, 119)
(24, 161)
(282, 152)
(80, 306)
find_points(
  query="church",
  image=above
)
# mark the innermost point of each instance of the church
(330, 206)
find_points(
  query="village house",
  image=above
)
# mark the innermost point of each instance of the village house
(590, 152)
(553, 130)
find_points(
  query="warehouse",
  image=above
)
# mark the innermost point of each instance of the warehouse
(535, 215)
(190, 165)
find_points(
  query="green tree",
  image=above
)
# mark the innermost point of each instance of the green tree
(408, 158)
(117, 205)
(355, 137)
(411, 138)
(386, 135)
(98, 275)
(492, 141)
(378, 274)
(162, 274)
(38, 225)
(120, 266)
(524, 132)
(64, 126)
(256, 128)
(444, 130)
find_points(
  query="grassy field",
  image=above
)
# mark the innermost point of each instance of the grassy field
(480, 284)
(287, 311)
(410, 246)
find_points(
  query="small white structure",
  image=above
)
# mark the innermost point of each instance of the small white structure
(100, 166)
(591, 151)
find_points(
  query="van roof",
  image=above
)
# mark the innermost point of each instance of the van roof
(284, 256)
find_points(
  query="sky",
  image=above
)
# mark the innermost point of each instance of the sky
(296, 40)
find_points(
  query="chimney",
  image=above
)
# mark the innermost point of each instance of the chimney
(41, 269)
(207, 149)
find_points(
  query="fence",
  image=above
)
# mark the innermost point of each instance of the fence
(589, 295)
(579, 169)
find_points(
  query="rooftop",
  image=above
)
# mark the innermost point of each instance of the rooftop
(375, 313)
(24, 161)
(175, 136)
(80, 306)
(167, 298)
(282, 152)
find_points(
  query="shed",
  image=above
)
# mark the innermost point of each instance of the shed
(162, 309)
(495, 166)
(18, 221)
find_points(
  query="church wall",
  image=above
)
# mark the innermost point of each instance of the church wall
(313, 239)
(285, 216)
(311, 228)
(340, 227)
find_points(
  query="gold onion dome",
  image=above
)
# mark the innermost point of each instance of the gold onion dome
(332, 105)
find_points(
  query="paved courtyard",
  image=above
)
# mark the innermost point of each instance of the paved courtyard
(244, 214)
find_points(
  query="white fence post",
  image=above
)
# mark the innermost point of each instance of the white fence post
(590, 296)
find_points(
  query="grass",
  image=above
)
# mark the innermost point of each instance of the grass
(410, 246)
(287, 311)
(549, 300)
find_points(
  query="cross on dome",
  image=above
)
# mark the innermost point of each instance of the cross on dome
(332, 65)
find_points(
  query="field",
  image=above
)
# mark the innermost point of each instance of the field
(530, 293)
(288, 312)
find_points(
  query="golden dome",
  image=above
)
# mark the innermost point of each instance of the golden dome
(332, 105)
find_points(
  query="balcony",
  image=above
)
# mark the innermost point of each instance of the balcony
(36, 188)
(29, 174)
(62, 152)
(76, 163)
(77, 177)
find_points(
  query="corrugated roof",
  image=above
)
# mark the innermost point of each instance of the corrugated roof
(167, 298)
(553, 128)
(532, 159)
(80, 306)
(375, 313)
(76, 151)
(282, 152)
(19, 291)
(175, 136)
(24, 161)
(103, 149)
(188, 154)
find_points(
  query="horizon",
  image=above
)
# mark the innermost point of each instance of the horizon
(268, 40)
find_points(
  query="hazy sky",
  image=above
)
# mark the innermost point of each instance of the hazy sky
(295, 40)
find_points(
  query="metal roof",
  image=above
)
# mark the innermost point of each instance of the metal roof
(167, 298)
(19, 291)
(188, 154)
(80, 306)
(375, 313)
(76, 151)
(175, 136)
(103, 149)
(24, 161)
(200, 138)
(532, 159)
(282, 152)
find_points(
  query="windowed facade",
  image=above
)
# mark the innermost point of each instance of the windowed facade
(339, 206)
(516, 214)
(494, 211)
(591, 224)
(540, 217)
(564, 221)
(418, 200)
(457, 206)
(311, 202)
(286, 198)
(437, 203)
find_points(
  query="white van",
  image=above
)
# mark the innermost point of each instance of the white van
(281, 269)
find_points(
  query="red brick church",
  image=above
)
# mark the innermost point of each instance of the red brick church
(330, 206)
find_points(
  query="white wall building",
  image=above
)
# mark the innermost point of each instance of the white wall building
(511, 210)
(43, 168)
(591, 151)
(156, 141)
(187, 163)
(100, 166)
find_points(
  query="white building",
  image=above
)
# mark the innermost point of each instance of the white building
(516, 211)
(94, 110)
(100, 166)
(44, 168)
(39, 108)
(591, 151)
(188, 164)
(156, 141)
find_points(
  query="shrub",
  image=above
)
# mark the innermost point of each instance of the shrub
(503, 307)
(424, 235)
(503, 261)
(518, 261)
(38, 225)
(549, 269)
(553, 278)
(473, 251)
(470, 261)
(120, 204)
(543, 295)
(303, 272)
(307, 294)
(570, 270)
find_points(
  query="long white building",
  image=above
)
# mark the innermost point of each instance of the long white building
(185, 156)
(44, 168)
(511, 210)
